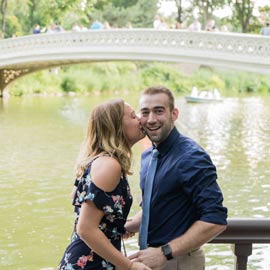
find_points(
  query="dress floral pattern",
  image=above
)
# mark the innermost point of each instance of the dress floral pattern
(115, 205)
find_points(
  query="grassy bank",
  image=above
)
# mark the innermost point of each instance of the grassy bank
(96, 78)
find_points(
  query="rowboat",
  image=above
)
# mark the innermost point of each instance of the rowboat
(202, 99)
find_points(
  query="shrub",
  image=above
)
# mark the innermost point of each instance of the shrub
(68, 85)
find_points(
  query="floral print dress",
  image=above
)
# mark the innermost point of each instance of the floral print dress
(115, 205)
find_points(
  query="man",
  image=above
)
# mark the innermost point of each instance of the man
(186, 203)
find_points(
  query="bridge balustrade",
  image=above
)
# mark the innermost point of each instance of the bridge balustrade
(242, 233)
(26, 54)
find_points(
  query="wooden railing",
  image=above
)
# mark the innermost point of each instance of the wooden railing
(242, 233)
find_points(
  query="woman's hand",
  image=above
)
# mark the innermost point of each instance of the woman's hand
(138, 266)
(128, 235)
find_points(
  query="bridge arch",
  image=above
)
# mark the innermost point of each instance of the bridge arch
(26, 54)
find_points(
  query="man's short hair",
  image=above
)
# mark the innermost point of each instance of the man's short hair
(158, 89)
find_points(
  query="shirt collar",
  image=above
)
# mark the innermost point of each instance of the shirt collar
(169, 142)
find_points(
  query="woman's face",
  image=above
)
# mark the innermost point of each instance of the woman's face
(131, 125)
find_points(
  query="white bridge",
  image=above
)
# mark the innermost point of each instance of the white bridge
(26, 54)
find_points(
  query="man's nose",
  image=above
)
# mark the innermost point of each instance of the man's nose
(151, 117)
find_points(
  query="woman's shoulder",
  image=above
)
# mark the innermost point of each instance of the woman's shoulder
(106, 173)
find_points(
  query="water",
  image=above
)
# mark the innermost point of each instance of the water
(40, 138)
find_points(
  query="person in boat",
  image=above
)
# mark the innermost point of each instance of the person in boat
(103, 199)
(194, 91)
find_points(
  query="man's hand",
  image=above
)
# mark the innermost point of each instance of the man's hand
(152, 257)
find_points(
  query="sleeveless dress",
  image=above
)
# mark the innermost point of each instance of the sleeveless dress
(115, 205)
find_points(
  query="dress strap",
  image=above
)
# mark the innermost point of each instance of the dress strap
(96, 157)
(88, 166)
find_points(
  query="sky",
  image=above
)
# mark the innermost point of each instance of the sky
(168, 7)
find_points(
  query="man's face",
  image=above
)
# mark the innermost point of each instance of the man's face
(156, 117)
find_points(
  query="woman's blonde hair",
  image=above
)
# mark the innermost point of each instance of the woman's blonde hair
(105, 136)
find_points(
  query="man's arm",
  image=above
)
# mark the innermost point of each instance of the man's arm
(198, 234)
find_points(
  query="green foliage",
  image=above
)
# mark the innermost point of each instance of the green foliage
(243, 15)
(13, 27)
(205, 8)
(122, 77)
(116, 16)
(243, 82)
(120, 13)
(142, 14)
(36, 83)
(69, 85)
(160, 73)
(17, 92)
(124, 3)
(20, 12)
(205, 78)
(54, 10)
(253, 84)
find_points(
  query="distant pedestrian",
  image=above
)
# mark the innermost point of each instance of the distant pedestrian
(37, 29)
(156, 22)
(76, 27)
(195, 26)
(178, 25)
(96, 25)
(211, 26)
(265, 31)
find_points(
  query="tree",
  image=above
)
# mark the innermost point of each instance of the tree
(139, 13)
(124, 3)
(242, 10)
(143, 13)
(3, 15)
(179, 10)
(207, 7)
(92, 9)
(48, 11)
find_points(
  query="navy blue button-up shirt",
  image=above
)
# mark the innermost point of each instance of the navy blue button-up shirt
(184, 189)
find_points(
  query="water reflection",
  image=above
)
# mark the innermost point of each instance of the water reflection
(40, 141)
(73, 112)
(237, 135)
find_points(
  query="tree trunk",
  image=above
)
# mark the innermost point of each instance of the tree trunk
(244, 13)
(179, 10)
(32, 9)
(3, 13)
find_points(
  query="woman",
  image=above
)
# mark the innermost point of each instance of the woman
(102, 199)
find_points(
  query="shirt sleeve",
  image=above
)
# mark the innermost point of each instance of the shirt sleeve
(200, 183)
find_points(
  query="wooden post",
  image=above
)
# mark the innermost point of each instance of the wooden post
(241, 251)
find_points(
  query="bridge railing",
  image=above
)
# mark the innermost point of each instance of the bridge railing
(23, 55)
(242, 233)
(243, 51)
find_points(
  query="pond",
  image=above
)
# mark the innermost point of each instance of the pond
(40, 139)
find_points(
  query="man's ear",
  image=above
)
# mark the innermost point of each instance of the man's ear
(175, 114)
